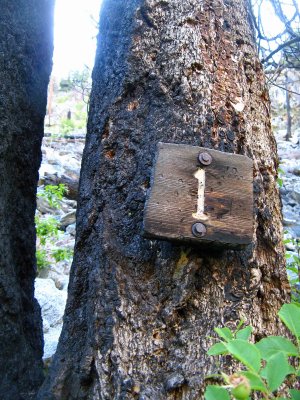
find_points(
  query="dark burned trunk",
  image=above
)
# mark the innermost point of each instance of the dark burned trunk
(25, 65)
(140, 311)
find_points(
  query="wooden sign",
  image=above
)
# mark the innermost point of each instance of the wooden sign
(200, 195)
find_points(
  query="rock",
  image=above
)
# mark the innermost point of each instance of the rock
(75, 136)
(60, 280)
(70, 203)
(63, 152)
(296, 230)
(289, 218)
(280, 135)
(52, 302)
(44, 207)
(68, 219)
(292, 203)
(283, 191)
(296, 170)
(295, 138)
(289, 238)
(71, 229)
(58, 273)
(65, 241)
(67, 205)
(296, 192)
(47, 169)
(70, 183)
(290, 246)
(50, 342)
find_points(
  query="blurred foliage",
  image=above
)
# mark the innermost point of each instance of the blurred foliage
(47, 230)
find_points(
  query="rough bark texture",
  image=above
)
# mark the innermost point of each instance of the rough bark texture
(140, 312)
(25, 65)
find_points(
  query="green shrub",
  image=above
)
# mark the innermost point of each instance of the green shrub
(46, 228)
(62, 254)
(62, 99)
(67, 125)
(47, 232)
(41, 259)
(80, 106)
(280, 177)
(293, 266)
(53, 194)
(266, 365)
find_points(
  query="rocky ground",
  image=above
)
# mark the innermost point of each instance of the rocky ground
(61, 164)
(289, 154)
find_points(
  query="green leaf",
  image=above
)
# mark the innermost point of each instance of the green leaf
(245, 333)
(295, 394)
(217, 349)
(255, 381)
(224, 333)
(240, 324)
(292, 269)
(274, 344)
(216, 393)
(245, 352)
(290, 316)
(276, 370)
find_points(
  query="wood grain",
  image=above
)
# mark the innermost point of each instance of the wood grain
(173, 197)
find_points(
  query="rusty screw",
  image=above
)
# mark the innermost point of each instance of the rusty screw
(205, 158)
(199, 229)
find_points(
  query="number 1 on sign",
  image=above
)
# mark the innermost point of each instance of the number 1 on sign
(200, 176)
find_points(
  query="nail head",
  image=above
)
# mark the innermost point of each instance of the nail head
(205, 158)
(199, 229)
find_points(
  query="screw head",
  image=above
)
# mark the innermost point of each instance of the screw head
(205, 158)
(199, 229)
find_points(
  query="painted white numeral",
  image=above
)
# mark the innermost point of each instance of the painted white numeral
(200, 176)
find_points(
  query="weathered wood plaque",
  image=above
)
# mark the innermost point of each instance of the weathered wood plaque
(200, 195)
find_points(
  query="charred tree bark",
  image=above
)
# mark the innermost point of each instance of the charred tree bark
(140, 312)
(25, 65)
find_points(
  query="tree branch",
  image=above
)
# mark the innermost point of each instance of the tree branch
(280, 47)
(282, 87)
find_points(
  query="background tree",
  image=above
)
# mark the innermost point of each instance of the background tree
(25, 64)
(279, 49)
(81, 82)
(140, 312)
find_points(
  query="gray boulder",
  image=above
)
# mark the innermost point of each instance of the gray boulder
(68, 219)
(296, 192)
(52, 302)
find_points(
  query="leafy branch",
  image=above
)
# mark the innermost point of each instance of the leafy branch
(266, 365)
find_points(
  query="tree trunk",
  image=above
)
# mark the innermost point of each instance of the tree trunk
(25, 65)
(140, 312)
